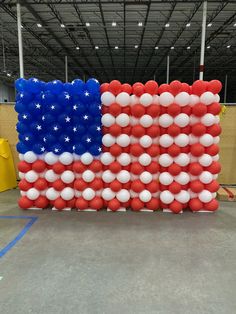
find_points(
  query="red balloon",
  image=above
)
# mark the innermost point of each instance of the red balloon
(80, 184)
(127, 88)
(195, 169)
(115, 167)
(153, 131)
(214, 86)
(58, 185)
(214, 167)
(214, 108)
(114, 109)
(199, 110)
(115, 130)
(104, 87)
(78, 167)
(137, 84)
(59, 203)
(25, 203)
(186, 130)
(196, 186)
(126, 109)
(137, 186)
(41, 202)
(151, 87)
(153, 167)
(41, 184)
(186, 109)
(174, 150)
(96, 203)
(153, 186)
(39, 166)
(58, 168)
(138, 90)
(71, 203)
(136, 168)
(173, 110)
(185, 149)
(95, 166)
(127, 130)
(212, 150)
(115, 150)
(136, 149)
(195, 204)
(153, 204)
(114, 204)
(138, 110)
(176, 207)
(213, 186)
(136, 204)
(163, 88)
(153, 150)
(138, 131)
(115, 185)
(186, 88)
(212, 205)
(153, 110)
(24, 185)
(175, 87)
(173, 130)
(198, 129)
(115, 87)
(24, 166)
(105, 109)
(214, 129)
(197, 150)
(96, 184)
(174, 169)
(198, 87)
(174, 188)
(81, 203)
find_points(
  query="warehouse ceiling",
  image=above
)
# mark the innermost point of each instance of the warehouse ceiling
(125, 40)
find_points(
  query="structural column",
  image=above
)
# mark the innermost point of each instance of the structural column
(20, 44)
(203, 39)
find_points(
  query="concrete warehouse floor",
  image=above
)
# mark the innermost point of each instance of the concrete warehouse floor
(118, 262)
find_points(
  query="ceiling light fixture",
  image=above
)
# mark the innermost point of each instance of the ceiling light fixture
(136, 46)
(113, 24)
(96, 47)
(209, 24)
(63, 26)
(172, 47)
(208, 47)
(116, 47)
(77, 48)
(167, 25)
(87, 24)
(140, 24)
(234, 24)
(156, 47)
(22, 26)
(39, 25)
(8, 74)
(188, 47)
(228, 46)
(188, 24)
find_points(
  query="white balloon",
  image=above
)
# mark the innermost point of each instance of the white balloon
(165, 160)
(86, 158)
(193, 100)
(217, 98)
(182, 140)
(123, 120)
(66, 158)
(21, 157)
(145, 141)
(108, 140)
(32, 194)
(146, 99)
(124, 159)
(78, 193)
(182, 197)
(207, 98)
(107, 98)
(145, 177)
(192, 194)
(193, 139)
(52, 194)
(108, 194)
(30, 157)
(217, 119)
(165, 120)
(182, 159)
(108, 176)
(67, 194)
(23, 193)
(123, 99)
(107, 158)
(206, 140)
(155, 99)
(206, 177)
(208, 119)
(123, 140)
(67, 176)
(107, 119)
(88, 176)
(216, 157)
(145, 196)
(145, 159)
(166, 99)
(205, 160)
(134, 100)
(205, 196)
(182, 178)
(166, 178)
(182, 99)
(166, 140)
(193, 119)
(166, 197)
(146, 120)
(31, 176)
(181, 120)
(21, 175)
(123, 195)
(216, 139)
(51, 176)
(88, 194)
(123, 176)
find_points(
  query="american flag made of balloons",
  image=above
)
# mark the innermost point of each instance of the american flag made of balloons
(114, 146)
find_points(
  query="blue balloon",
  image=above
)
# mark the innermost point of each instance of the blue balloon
(65, 119)
(57, 149)
(86, 97)
(47, 97)
(87, 140)
(68, 148)
(79, 149)
(35, 108)
(25, 117)
(48, 119)
(20, 107)
(24, 97)
(36, 128)
(21, 148)
(39, 148)
(64, 99)
(68, 87)
(48, 140)
(85, 119)
(92, 85)
(43, 85)
(28, 139)
(77, 130)
(95, 129)
(77, 86)
(54, 108)
(79, 108)
(33, 85)
(21, 127)
(55, 129)
(55, 87)
(65, 139)
(95, 150)
(20, 84)
(95, 109)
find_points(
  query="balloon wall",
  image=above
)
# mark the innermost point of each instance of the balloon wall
(117, 146)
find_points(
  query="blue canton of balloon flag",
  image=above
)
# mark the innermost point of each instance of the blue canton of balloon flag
(56, 117)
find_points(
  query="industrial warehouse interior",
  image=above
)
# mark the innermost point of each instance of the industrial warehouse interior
(117, 156)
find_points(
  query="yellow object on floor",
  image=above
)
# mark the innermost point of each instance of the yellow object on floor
(7, 170)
